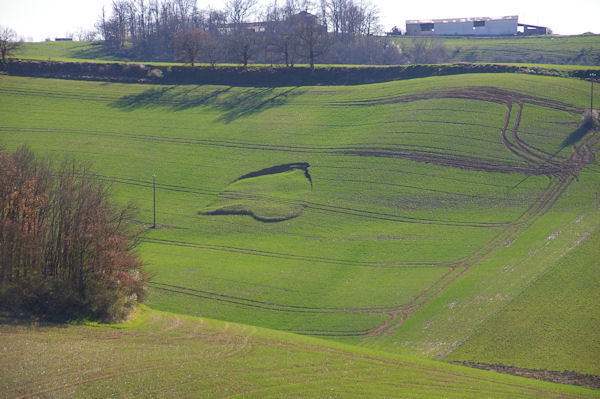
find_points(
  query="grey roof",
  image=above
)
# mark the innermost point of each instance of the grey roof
(451, 20)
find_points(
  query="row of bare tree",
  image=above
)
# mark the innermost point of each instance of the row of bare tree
(8, 43)
(332, 31)
(64, 249)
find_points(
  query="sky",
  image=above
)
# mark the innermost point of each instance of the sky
(36, 20)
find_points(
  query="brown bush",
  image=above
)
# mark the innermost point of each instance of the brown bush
(65, 251)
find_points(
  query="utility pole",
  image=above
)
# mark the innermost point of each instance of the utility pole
(592, 76)
(154, 199)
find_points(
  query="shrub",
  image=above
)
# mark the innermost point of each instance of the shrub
(65, 251)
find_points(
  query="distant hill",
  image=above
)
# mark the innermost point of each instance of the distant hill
(549, 49)
(568, 50)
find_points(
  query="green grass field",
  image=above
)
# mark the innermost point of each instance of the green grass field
(572, 50)
(167, 355)
(64, 51)
(428, 210)
(580, 50)
(548, 315)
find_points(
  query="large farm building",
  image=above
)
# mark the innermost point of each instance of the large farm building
(503, 26)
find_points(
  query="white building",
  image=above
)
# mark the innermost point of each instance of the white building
(464, 26)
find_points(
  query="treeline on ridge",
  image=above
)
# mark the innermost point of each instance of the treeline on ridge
(332, 31)
(65, 250)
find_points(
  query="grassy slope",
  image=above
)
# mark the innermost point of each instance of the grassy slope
(582, 50)
(378, 230)
(540, 49)
(166, 355)
(548, 315)
(248, 196)
(63, 51)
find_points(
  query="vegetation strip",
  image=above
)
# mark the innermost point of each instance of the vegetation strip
(262, 76)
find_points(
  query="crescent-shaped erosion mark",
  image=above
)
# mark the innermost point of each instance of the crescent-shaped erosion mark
(273, 194)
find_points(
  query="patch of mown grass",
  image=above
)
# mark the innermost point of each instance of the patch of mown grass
(170, 355)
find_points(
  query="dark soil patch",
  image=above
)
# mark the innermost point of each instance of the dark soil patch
(561, 377)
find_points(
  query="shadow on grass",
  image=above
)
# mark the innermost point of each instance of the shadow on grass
(232, 104)
(579, 133)
(93, 51)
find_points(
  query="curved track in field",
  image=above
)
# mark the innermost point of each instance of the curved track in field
(531, 160)
(523, 158)
(561, 175)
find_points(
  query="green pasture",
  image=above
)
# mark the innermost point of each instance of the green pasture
(418, 224)
(256, 196)
(64, 51)
(167, 355)
(550, 49)
(548, 314)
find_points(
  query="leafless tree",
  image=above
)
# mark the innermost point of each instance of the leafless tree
(64, 249)
(425, 51)
(211, 49)
(349, 18)
(189, 44)
(238, 11)
(8, 42)
(84, 35)
(288, 32)
(243, 44)
(313, 37)
(280, 35)
(242, 36)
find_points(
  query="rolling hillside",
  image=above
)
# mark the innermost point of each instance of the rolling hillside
(572, 50)
(575, 50)
(167, 355)
(399, 216)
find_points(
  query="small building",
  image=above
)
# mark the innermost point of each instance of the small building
(261, 26)
(63, 39)
(532, 30)
(484, 26)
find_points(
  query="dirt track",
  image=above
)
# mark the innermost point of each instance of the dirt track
(561, 172)
(527, 160)
(560, 178)
(561, 377)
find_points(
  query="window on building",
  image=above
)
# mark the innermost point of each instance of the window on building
(477, 24)
(426, 27)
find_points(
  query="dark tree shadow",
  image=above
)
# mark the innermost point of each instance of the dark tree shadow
(579, 133)
(254, 101)
(231, 104)
(93, 51)
(171, 97)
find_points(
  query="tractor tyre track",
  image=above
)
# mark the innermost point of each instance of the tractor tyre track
(263, 304)
(561, 175)
(551, 194)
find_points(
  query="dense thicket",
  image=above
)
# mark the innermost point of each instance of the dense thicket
(332, 31)
(65, 251)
